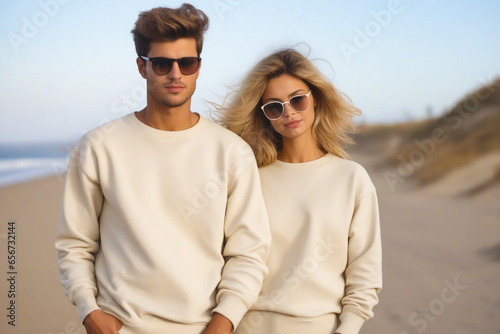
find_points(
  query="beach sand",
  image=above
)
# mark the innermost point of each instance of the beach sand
(41, 305)
(441, 260)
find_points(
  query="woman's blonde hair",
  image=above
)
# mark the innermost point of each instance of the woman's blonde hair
(241, 111)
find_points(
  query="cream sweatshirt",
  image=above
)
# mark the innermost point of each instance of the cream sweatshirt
(163, 227)
(326, 250)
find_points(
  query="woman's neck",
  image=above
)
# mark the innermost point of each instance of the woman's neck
(299, 150)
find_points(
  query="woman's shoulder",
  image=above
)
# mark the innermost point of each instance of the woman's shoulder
(350, 166)
(353, 168)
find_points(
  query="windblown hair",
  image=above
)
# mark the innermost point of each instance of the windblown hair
(241, 113)
(169, 24)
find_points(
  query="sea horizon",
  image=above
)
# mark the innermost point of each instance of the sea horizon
(22, 162)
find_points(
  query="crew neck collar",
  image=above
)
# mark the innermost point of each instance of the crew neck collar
(304, 165)
(166, 135)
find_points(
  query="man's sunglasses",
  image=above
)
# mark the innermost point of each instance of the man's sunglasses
(275, 109)
(163, 66)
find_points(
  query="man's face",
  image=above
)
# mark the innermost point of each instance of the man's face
(173, 89)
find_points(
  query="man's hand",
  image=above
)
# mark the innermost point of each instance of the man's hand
(219, 325)
(99, 322)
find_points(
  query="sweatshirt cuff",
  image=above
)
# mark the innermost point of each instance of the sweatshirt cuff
(85, 302)
(232, 308)
(350, 323)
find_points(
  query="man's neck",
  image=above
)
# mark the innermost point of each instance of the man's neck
(168, 119)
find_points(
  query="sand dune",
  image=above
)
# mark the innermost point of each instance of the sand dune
(479, 174)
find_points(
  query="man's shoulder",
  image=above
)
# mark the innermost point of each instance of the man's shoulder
(223, 135)
(234, 147)
(106, 131)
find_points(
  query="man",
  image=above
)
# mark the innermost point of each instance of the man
(163, 227)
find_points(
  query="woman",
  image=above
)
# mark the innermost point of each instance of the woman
(325, 261)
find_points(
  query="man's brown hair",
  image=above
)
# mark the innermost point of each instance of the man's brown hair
(169, 24)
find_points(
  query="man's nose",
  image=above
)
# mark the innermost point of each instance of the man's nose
(175, 72)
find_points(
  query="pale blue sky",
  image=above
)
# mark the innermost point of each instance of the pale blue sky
(76, 68)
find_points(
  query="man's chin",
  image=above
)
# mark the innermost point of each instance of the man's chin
(174, 103)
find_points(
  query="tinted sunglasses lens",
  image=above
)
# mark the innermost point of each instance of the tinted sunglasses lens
(273, 110)
(299, 103)
(162, 66)
(188, 65)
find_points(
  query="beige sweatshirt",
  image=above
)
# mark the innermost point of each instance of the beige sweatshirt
(326, 250)
(163, 227)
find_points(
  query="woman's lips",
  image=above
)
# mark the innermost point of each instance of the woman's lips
(293, 124)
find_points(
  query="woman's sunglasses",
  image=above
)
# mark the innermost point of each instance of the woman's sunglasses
(163, 66)
(274, 110)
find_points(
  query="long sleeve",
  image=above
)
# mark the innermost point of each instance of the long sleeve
(77, 240)
(363, 274)
(247, 243)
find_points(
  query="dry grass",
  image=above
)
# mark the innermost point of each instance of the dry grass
(469, 130)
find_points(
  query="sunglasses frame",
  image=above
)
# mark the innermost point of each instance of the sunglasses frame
(283, 105)
(173, 60)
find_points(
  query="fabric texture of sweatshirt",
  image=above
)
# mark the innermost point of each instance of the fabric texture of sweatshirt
(326, 251)
(163, 228)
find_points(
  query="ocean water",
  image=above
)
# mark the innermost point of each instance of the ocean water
(24, 162)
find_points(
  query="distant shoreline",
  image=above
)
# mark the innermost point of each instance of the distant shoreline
(14, 171)
(28, 161)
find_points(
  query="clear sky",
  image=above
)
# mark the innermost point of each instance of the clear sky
(67, 66)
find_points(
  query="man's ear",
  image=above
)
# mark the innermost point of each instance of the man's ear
(198, 72)
(141, 66)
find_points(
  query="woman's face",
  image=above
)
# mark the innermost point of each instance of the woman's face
(292, 124)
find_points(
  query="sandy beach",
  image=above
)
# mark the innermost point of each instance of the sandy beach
(41, 305)
(441, 260)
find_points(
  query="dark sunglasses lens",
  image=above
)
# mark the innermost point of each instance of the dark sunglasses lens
(162, 66)
(273, 110)
(299, 103)
(188, 65)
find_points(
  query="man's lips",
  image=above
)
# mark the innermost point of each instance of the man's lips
(175, 88)
(293, 124)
